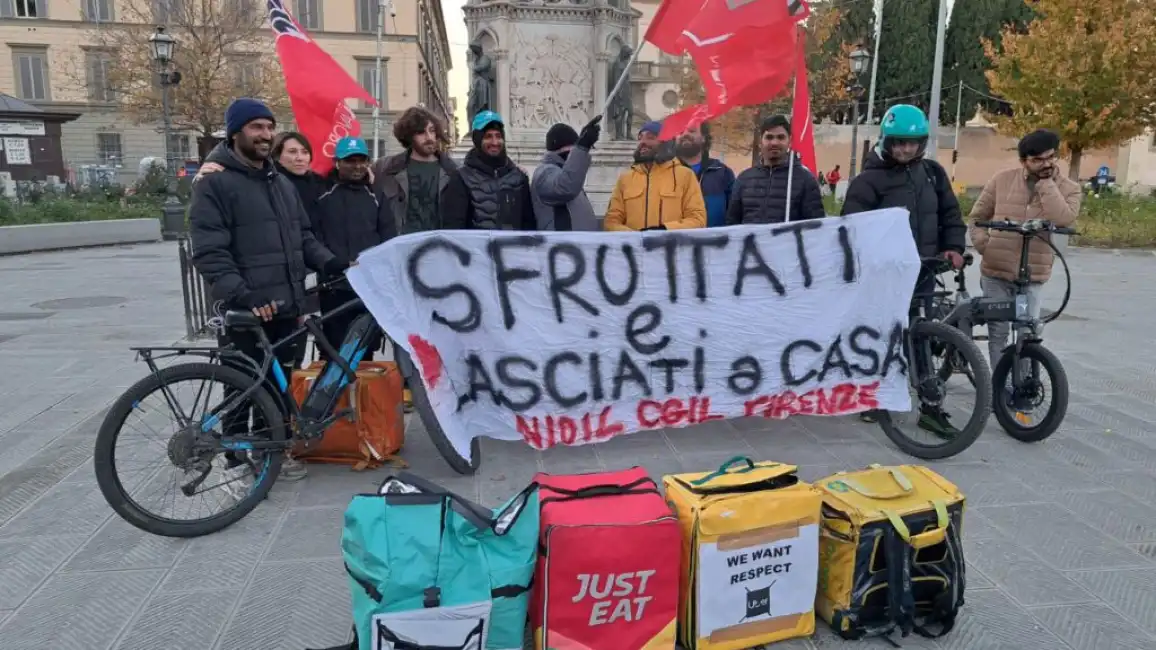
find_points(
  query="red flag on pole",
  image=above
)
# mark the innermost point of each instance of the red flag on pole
(317, 87)
(802, 124)
(665, 30)
(740, 66)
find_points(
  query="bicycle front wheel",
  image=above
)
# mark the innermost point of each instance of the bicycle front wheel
(161, 496)
(931, 410)
(1015, 406)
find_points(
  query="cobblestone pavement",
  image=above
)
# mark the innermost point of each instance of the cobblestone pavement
(1060, 536)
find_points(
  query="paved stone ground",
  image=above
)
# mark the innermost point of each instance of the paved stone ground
(1060, 536)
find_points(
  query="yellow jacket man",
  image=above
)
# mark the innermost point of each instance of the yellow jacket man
(656, 193)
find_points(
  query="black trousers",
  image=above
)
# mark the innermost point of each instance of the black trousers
(237, 421)
(336, 327)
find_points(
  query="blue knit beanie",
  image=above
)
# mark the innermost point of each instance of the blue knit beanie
(652, 126)
(242, 111)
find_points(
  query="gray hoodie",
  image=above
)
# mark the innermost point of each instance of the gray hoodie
(557, 192)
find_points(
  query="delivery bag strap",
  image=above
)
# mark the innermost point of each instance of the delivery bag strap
(644, 485)
(477, 515)
(727, 468)
(900, 546)
(945, 609)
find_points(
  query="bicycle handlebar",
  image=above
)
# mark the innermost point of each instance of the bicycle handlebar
(1025, 228)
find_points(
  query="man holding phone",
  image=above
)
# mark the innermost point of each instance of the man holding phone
(560, 202)
(1034, 190)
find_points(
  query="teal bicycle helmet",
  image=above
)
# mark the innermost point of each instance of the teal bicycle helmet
(902, 122)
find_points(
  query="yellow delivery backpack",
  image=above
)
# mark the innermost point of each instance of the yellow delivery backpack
(750, 554)
(890, 557)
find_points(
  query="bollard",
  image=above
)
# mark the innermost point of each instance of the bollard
(173, 223)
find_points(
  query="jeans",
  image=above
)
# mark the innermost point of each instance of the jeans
(997, 333)
(236, 422)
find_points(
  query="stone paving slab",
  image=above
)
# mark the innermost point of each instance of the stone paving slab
(1059, 536)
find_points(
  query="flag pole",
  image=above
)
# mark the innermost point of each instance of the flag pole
(791, 153)
(619, 84)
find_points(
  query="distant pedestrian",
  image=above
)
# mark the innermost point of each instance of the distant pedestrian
(833, 179)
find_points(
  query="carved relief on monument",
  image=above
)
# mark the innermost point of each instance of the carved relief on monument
(550, 78)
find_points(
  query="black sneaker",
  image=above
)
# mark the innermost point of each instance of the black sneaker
(870, 417)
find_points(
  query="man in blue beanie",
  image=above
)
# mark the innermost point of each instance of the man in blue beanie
(253, 243)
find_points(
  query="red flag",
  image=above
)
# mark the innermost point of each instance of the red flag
(751, 67)
(719, 19)
(317, 86)
(665, 30)
(802, 124)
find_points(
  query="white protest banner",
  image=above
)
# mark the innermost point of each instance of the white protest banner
(576, 337)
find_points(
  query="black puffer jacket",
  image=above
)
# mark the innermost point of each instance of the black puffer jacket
(351, 217)
(760, 195)
(309, 186)
(492, 196)
(923, 189)
(251, 236)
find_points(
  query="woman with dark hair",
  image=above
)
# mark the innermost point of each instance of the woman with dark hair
(292, 155)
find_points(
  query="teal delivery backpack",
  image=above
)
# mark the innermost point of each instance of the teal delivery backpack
(430, 570)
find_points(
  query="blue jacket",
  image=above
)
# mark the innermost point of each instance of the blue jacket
(716, 180)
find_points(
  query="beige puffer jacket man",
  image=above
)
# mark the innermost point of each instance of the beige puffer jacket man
(1008, 197)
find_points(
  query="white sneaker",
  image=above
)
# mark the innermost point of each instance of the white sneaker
(292, 470)
(236, 481)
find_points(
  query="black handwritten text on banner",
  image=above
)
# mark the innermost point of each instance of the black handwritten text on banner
(572, 338)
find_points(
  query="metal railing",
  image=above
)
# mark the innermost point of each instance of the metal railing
(195, 292)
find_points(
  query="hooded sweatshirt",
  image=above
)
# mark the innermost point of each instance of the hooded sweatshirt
(251, 235)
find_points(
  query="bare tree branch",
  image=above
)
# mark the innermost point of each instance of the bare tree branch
(223, 51)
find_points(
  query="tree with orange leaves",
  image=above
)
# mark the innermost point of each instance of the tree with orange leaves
(1085, 69)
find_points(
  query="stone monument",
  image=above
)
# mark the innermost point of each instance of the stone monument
(552, 61)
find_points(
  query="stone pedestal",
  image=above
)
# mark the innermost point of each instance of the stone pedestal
(552, 60)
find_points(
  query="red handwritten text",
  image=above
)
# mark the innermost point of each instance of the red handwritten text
(675, 412)
(566, 430)
(840, 400)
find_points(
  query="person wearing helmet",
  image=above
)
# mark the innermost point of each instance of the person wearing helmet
(897, 175)
(490, 190)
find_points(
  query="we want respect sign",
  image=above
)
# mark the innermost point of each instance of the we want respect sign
(575, 338)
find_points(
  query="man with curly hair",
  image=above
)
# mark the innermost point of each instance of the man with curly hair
(414, 181)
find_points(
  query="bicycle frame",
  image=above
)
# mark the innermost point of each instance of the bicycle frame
(340, 368)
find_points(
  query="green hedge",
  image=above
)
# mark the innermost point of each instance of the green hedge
(34, 205)
(1109, 220)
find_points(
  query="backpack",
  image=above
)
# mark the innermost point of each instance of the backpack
(430, 569)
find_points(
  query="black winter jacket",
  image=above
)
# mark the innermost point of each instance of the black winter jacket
(760, 195)
(309, 186)
(923, 189)
(491, 197)
(351, 217)
(251, 235)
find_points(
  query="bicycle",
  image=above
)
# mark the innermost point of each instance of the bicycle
(222, 438)
(1026, 392)
(927, 341)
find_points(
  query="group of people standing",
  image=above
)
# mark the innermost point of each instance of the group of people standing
(260, 219)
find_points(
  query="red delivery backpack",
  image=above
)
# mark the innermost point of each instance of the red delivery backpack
(608, 564)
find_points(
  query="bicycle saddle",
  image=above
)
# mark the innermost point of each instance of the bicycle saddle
(238, 318)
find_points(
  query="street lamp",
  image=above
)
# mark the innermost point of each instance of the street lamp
(164, 47)
(859, 59)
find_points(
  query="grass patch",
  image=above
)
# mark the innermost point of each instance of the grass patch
(1106, 221)
(67, 210)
